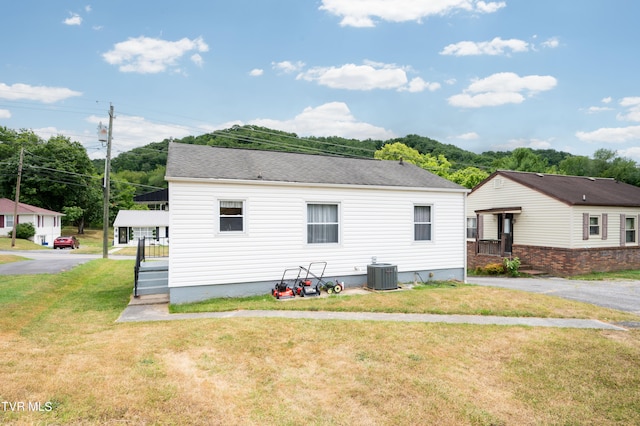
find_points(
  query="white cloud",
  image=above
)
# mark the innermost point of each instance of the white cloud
(523, 143)
(551, 43)
(468, 136)
(502, 88)
(74, 19)
(419, 85)
(633, 152)
(330, 119)
(611, 135)
(196, 58)
(288, 67)
(497, 46)
(43, 94)
(633, 109)
(256, 72)
(595, 109)
(87, 8)
(5, 113)
(369, 76)
(362, 13)
(146, 55)
(607, 100)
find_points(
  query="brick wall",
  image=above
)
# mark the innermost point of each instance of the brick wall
(565, 262)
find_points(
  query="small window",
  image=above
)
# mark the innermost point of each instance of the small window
(8, 221)
(231, 216)
(422, 223)
(594, 225)
(472, 227)
(322, 223)
(630, 230)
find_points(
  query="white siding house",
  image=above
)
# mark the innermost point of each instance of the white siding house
(560, 224)
(239, 218)
(132, 225)
(47, 223)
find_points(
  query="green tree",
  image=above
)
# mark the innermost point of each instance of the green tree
(468, 177)
(524, 160)
(438, 165)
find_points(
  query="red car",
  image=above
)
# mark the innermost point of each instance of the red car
(62, 242)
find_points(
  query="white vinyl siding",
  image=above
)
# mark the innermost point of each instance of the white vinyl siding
(372, 222)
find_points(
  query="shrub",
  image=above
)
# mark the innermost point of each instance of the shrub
(24, 231)
(494, 269)
(512, 265)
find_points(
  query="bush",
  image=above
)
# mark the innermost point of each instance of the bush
(512, 265)
(494, 269)
(24, 231)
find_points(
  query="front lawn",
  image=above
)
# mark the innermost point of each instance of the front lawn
(62, 349)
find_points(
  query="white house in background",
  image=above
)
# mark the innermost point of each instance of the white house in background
(239, 218)
(131, 225)
(48, 224)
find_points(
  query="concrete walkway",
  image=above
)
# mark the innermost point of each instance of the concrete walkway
(140, 312)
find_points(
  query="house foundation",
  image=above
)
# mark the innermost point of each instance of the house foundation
(563, 261)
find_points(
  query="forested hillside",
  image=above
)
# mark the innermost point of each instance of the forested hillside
(58, 175)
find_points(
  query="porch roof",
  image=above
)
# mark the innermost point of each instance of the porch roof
(498, 210)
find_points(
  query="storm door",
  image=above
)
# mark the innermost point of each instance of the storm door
(505, 231)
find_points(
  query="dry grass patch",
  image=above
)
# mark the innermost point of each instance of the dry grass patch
(61, 345)
(442, 298)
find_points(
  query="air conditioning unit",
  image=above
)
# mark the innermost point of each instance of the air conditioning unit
(382, 276)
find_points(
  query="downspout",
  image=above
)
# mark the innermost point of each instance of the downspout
(464, 237)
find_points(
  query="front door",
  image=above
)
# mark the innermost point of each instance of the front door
(123, 235)
(505, 231)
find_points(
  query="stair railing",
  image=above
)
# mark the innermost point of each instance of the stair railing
(136, 270)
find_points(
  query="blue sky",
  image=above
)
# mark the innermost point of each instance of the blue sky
(482, 75)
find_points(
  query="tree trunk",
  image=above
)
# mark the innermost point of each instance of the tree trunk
(81, 226)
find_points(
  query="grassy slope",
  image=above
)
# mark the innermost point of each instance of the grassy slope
(60, 345)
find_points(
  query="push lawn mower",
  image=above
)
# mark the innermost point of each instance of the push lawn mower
(282, 290)
(305, 287)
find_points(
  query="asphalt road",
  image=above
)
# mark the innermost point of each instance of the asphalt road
(47, 261)
(620, 295)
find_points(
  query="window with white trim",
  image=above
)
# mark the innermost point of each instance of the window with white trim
(8, 221)
(422, 222)
(140, 232)
(472, 227)
(323, 224)
(231, 214)
(594, 225)
(630, 229)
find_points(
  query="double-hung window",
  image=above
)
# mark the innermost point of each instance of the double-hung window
(594, 225)
(323, 224)
(231, 216)
(630, 230)
(422, 221)
(8, 221)
(472, 227)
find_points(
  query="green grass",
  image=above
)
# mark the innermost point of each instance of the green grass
(60, 345)
(633, 275)
(442, 298)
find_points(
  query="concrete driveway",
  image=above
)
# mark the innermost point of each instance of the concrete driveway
(48, 261)
(620, 295)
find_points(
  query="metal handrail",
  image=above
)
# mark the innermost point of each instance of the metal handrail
(136, 270)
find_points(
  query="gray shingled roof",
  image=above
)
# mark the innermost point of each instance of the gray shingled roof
(207, 162)
(571, 189)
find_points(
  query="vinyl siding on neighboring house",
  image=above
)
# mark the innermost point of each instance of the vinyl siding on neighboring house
(372, 222)
(613, 228)
(544, 221)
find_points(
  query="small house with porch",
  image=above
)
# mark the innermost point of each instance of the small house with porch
(562, 225)
(133, 225)
(239, 218)
(47, 223)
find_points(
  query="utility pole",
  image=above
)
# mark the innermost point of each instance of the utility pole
(15, 208)
(107, 168)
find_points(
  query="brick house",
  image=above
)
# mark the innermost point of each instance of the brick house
(563, 225)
